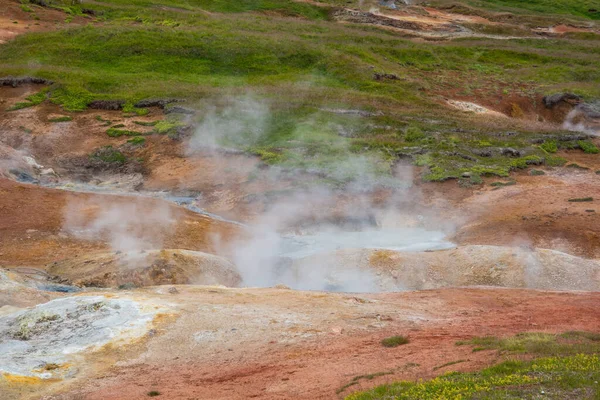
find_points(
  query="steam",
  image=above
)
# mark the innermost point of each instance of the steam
(575, 121)
(241, 123)
(126, 224)
(317, 221)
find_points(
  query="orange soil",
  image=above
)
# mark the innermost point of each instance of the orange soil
(32, 222)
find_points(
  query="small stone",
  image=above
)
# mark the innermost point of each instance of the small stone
(173, 290)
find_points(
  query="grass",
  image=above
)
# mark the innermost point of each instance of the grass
(394, 341)
(137, 141)
(32, 100)
(115, 132)
(291, 56)
(153, 393)
(567, 368)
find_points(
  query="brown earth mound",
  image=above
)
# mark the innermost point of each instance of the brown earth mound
(148, 268)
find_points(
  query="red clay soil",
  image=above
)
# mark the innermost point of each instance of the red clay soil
(317, 368)
(14, 20)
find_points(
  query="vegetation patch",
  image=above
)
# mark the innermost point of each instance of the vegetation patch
(137, 141)
(581, 200)
(536, 172)
(32, 100)
(114, 132)
(568, 369)
(588, 147)
(499, 184)
(394, 341)
(109, 155)
(145, 123)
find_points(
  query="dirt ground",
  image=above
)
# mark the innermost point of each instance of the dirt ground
(268, 344)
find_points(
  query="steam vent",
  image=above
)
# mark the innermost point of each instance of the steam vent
(299, 199)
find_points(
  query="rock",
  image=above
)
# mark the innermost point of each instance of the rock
(161, 103)
(154, 267)
(510, 152)
(173, 290)
(380, 77)
(569, 98)
(48, 172)
(179, 110)
(281, 286)
(25, 80)
(32, 163)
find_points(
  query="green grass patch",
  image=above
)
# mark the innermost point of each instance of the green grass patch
(499, 184)
(563, 376)
(166, 127)
(137, 141)
(145, 123)
(569, 368)
(114, 132)
(394, 341)
(588, 147)
(550, 146)
(32, 100)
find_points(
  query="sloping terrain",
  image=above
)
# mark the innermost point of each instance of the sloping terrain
(260, 199)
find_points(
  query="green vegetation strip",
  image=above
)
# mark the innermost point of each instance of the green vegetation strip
(570, 368)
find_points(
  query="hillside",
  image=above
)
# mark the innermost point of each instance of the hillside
(232, 199)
